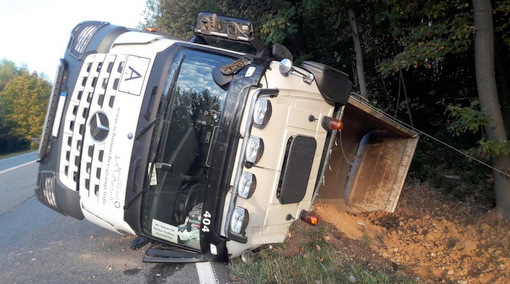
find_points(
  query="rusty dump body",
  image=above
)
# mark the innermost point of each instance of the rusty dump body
(368, 161)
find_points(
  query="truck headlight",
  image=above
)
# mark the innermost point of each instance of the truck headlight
(81, 36)
(247, 185)
(262, 112)
(46, 189)
(239, 220)
(254, 149)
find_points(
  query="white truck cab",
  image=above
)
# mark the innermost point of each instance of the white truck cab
(207, 151)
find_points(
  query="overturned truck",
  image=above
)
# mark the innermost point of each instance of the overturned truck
(207, 151)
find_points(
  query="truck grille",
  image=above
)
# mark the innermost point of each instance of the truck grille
(94, 92)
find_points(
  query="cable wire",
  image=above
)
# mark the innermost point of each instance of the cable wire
(342, 146)
(445, 144)
(460, 152)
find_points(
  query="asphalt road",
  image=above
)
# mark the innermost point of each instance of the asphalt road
(17, 161)
(42, 246)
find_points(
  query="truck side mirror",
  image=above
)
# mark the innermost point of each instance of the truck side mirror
(280, 52)
(286, 66)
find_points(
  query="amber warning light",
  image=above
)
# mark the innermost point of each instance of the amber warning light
(309, 217)
(330, 123)
(151, 29)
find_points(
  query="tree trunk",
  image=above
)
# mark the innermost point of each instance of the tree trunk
(359, 55)
(502, 78)
(488, 95)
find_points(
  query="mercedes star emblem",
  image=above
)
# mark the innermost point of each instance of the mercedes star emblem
(99, 127)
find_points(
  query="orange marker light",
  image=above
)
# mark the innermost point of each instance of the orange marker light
(329, 123)
(309, 217)
(312, 219)
(151, 29)
(335, 124)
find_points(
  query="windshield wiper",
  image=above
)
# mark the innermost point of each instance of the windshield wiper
(144, 190)
(164, 106)
(147, 127)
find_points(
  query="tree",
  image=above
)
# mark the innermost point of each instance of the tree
(359, 53)
(8, 141)
(23, 101)
(9, 70)
(489, 102)
(425, 32)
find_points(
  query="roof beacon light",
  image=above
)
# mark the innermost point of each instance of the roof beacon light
(330, 123)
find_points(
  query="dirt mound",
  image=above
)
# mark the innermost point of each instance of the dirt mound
(432, 236)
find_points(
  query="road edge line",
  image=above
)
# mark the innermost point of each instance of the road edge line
(206, 273)
(17, 167)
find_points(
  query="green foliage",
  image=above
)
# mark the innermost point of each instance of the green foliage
(466, 118)
(8, 142)
(175, 17)
(493, 148)
(502, 19)
(280, 26)
(23, 101)
(471, 119)
(178, 18)
(426, 31)
(9, 70)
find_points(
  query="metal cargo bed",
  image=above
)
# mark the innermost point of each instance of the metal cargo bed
(369, 160)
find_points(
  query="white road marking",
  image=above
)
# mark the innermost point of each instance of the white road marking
(17, 167)
(206, 273)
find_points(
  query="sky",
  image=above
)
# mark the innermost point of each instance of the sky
(35, 32)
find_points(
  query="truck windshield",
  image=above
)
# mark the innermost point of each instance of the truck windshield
(191, 109)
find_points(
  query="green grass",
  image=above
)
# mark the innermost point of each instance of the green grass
(366, 239)
(316, 262)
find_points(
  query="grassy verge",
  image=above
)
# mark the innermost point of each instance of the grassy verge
(4, 156)
(313, 260)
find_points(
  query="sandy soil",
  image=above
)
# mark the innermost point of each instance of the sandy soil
(429, 235)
